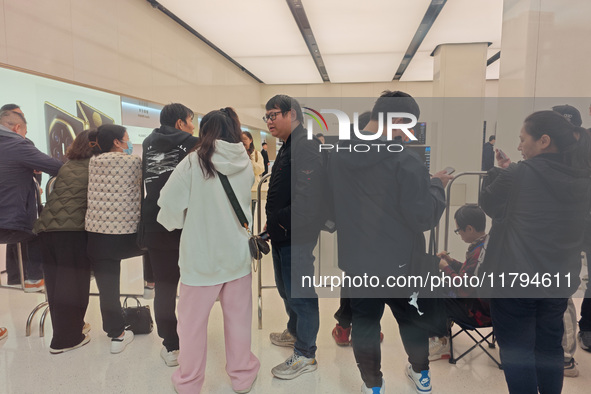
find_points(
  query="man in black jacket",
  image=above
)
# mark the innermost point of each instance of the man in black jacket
(488, 154)
(163, 149)
(265, 155)
(384, 200)
(293, 210)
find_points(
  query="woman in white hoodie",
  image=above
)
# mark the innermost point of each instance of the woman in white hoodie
(214, 257)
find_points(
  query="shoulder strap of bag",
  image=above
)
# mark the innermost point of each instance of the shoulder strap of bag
(234, 201)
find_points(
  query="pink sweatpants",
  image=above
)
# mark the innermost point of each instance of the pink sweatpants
(195, 303)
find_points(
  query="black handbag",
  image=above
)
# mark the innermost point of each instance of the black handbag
(137, 318)
(258, 246)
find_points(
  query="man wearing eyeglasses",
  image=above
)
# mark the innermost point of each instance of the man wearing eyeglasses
(293, 224)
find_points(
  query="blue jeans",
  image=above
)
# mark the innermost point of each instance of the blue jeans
(301, 305)
(529, 332)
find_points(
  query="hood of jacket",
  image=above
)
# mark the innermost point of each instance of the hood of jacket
(230, 158)
(166, 138)
(565, 183)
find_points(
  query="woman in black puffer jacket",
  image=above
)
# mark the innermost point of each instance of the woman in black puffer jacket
(538, 207)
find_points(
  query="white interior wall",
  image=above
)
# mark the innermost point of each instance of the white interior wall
(123, 46)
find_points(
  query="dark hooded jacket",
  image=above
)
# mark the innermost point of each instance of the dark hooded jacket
(383, 203)
(541, 232)
(163, 149)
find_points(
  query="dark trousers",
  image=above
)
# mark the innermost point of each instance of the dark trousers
(529, 332)
(148, 272)
(106, 252)
(585, 322)
(67, 282)
(365, 336)
(290, 263)
(344, 314)
(163, 250)
(32, 261)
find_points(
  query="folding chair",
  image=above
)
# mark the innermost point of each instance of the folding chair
(478, 339)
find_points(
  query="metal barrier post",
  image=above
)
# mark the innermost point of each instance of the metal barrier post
(43, 304)
(260, 286)
(480, 174)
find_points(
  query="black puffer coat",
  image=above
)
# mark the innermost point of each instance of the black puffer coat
(542, 231)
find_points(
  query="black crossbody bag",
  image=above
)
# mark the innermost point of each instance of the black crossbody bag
(258, 247)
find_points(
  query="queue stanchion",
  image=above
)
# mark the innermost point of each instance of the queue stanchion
(259, 266)
(481, 175)
(44, 304)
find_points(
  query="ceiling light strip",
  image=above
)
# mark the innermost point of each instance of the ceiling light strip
(178, 20)
(493, 58)
(299, 14)
(432, 13)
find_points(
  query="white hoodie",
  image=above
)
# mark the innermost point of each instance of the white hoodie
(214, 247)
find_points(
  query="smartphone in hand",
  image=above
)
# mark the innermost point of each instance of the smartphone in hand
(449, 170)
(265, 236)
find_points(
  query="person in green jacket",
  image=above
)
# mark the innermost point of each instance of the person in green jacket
(63, 238)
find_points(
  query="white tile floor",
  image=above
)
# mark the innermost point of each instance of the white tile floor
(27, 367)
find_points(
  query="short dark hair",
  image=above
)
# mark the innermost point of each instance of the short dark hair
(319, 135)
(101, 139)
(173, 112)
(491, 138)
(11, 118)
(264, 143)
(285, 103)
(396, 101)
(470, 215)
(80, 149)
(9, 107)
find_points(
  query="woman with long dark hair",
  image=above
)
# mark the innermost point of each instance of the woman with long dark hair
(255, 158)
(214, 255)
(114, 200)
(63, 241)
(538, 208)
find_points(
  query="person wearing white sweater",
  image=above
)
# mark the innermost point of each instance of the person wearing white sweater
(214, 257)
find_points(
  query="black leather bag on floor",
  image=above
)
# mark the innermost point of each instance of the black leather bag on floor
(138, 318)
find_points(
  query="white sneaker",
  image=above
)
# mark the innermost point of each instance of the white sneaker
(294, 366)
(149, 292)
(58, 351)
(34, 286)
(119, 344)
(439, 349)
(374, 390)
(421, 380)
(170, 358)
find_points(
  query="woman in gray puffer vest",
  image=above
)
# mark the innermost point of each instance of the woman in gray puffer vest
(63, 238)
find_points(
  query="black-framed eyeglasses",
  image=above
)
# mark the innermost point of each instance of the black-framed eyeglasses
(457, 230)
(271, 115)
